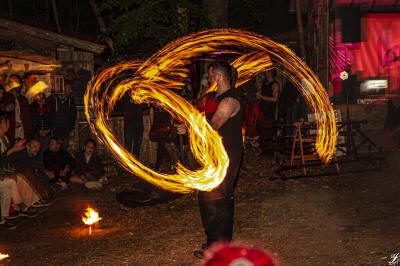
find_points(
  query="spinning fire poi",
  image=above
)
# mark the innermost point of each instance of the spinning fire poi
(148, 81)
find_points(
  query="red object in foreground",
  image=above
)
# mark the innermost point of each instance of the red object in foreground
(223, 255)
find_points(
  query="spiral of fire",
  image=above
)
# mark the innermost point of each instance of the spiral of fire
(150, 81)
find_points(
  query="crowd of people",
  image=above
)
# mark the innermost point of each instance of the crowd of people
(34, 162)
(34, 136)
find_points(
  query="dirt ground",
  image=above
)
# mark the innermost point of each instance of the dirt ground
(347, 219)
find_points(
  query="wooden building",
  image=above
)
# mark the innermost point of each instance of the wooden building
(54, 58)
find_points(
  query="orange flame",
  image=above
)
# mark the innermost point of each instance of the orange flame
(3, 256)
(147, 82)
(49, 65)
(90, 217)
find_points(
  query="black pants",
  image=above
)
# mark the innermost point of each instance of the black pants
(217, 206)
(133, 132)
(266, 138)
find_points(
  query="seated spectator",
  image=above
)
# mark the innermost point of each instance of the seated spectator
(41, 121)
(9, 194)
(26, 158)
(5, 203)
(13, 187)
(88, 166)
(27, 163)
(58, 161)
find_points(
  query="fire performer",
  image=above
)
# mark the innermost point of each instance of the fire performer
(216, 206)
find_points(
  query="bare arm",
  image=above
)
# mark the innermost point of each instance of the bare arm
(227, 108)
(275, 93)
(151, 116)
(18, 146)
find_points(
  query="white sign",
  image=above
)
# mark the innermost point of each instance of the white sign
(373, 86)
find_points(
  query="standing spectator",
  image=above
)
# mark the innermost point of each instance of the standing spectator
(390, 137)
(30, 79)
(3, 80)
(133, 124)
(2, 93)
(72, 110)
(204, 83)
(8, 104)
(62, 114)
(41, 121)
(22, 111)
(268, 96)
(163, 132)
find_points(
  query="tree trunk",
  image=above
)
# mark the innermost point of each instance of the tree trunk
(10, 7)
(35, 10)
(217, 11)
(300, 30)
(47, 11)
(100, 21)
(77, 16)
(55, 13)
(71, 16)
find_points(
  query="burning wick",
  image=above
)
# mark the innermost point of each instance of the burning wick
(3, 256)
(90, 217)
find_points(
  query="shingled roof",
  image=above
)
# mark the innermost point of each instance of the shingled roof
(45, 35)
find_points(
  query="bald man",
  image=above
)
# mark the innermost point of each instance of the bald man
(27, 158)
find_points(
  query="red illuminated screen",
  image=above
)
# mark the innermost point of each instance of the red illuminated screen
(379, 53)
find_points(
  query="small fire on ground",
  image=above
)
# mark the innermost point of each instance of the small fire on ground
(3, 256)
(90, 216)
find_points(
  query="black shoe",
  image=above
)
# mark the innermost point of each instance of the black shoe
(199, 254)
(28, 213)
(13, 215)
(7, 226)
(41, 204)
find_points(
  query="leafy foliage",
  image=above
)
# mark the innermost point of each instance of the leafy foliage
(144, 25)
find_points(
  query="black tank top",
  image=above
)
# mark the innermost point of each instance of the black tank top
(231, 131)
(267, 107)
